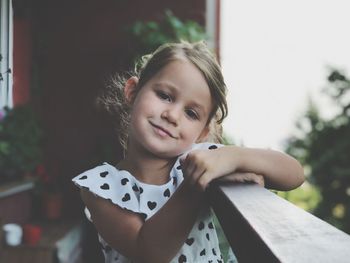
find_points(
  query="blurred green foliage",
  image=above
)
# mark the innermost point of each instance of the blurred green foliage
(21, 139)
(323, 147)
(306, 197)
(149, 35)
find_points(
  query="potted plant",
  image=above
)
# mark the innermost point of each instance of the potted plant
(21, 140)
(48, 190)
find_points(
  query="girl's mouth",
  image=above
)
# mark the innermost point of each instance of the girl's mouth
(162, 131)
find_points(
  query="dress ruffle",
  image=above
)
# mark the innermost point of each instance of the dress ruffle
(124, 190)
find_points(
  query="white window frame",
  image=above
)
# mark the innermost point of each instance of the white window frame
(210, 22)
(212, 26)
(6, 51)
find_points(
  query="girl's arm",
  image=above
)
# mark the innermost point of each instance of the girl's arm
(280, 171)
(156, 240)
(159, 238)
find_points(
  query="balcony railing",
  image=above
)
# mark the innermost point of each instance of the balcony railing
(262, 227)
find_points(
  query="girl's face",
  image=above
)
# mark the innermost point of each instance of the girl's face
(170, 112)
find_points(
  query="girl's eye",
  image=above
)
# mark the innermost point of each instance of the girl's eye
(192, 114)
(163, 96)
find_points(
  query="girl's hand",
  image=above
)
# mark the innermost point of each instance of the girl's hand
(280, 171)
(243, 178)
(200, 167)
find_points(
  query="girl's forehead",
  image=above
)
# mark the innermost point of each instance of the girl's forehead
(180, 69)
(181, 72)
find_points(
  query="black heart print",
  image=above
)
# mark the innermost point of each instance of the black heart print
(135, 188)
(83, 177)
(182, 259)
(201, 226)
(189, 241)
(104, 187)
(103, 174)
(151, 205)
(202, 252)
(126, 198)
(212, 147)
(124, 181)
(166, 193)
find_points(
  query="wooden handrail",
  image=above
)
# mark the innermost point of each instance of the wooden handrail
(263, 227)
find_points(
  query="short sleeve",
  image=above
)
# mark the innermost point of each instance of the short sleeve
(105, 182)
(124, 190)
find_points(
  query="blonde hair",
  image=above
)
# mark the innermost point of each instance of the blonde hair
(114, 101)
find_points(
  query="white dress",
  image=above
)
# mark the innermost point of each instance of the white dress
(124, 190)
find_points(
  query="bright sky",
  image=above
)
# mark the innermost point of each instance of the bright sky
(274, 54)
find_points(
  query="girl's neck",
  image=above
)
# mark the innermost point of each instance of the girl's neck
(147, 168)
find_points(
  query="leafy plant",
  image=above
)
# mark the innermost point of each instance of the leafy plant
(323, 146)
(149, 35)
(21, 140)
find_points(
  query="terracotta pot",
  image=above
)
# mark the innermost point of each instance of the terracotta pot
(31, 234)
(52, 205)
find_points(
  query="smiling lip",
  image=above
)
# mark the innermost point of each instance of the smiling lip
(162, 129)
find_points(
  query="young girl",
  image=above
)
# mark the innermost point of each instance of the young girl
(152, 206)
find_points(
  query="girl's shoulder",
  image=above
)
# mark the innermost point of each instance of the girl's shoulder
(101, 178)
(206, 145)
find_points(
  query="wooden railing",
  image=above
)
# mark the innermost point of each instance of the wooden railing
(262, 227)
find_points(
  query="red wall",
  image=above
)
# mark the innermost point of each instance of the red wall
(22, 59)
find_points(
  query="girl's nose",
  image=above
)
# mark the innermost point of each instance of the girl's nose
(172, 115)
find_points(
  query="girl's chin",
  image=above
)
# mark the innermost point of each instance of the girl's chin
(164, 154)
(164, 150)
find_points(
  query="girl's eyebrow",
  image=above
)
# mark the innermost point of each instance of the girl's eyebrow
(198, 106)
(166, 84)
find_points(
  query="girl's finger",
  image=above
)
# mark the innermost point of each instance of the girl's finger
(195, 175)
(252, 177)
(188, 170)
(243, 178)
(204, 181)
(259, 179)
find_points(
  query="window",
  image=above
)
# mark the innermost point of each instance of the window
(6, 62)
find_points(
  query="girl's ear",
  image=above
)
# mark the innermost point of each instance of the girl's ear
(130, 89)
(204, 134)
